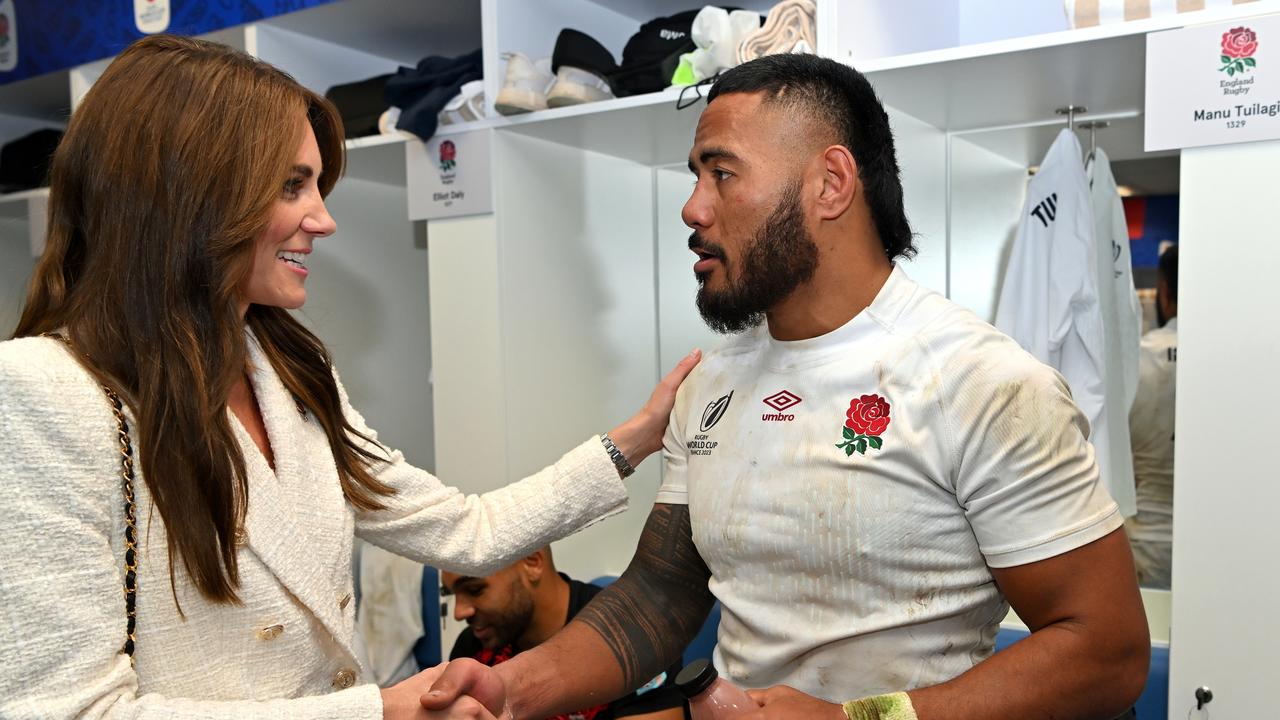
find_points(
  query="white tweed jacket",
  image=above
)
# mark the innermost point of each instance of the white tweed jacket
(285, 651)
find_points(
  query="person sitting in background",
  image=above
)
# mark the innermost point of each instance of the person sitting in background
(1151, 429)
(521, 605)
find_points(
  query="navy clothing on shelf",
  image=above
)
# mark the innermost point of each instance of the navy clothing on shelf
(423, 91)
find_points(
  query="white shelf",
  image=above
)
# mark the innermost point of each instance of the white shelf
(603, 107)
(646, 129)
(999, 95)
(1022, 81)
(44, 97)
(378, 158)
(1004, 103)
(962, 90)
(1015, 82)
(1027, 146)
(403, 30)
(14, 205)
(641, 128)
(878, 18)
(372, 141)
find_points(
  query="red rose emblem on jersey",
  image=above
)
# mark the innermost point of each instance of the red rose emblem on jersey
(1238, 46)
(865, 421)
(868, 415)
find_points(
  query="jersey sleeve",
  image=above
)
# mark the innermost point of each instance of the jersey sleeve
(1153, 379)
(675, 453)
(1022, 468)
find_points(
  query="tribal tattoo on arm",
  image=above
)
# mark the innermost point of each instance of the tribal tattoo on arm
(654, 610)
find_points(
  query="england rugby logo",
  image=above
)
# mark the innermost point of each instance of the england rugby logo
(1238, 46)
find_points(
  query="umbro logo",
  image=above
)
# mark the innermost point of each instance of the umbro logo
(781, 401)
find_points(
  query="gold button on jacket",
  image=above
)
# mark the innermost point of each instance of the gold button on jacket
(344, 679)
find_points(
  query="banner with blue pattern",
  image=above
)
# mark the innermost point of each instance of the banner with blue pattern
(39, 36)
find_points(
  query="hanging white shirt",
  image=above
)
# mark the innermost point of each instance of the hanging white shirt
(389, 614)
(1121, 322)
(1049, 300)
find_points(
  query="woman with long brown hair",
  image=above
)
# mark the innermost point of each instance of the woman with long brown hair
(182, 473)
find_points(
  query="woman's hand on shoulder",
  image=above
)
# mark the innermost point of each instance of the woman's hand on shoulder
(641, 435)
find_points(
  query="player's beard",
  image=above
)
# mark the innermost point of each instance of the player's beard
(780, 257)
(507, 625)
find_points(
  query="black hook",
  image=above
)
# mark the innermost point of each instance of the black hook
(1204, 696)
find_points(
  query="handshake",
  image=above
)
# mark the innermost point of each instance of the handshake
(467, 690)
(458, 690)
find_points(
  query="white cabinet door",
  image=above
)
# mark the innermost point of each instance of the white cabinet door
(1225, 623)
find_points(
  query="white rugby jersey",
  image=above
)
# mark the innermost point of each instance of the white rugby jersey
(849, 492)
(1049, 299)
(1152, 420)
(1121, 324)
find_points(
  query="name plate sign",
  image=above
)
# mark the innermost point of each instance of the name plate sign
(449, 175)
(1213, 84)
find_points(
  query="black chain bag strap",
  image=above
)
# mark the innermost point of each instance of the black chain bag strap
(130, 514)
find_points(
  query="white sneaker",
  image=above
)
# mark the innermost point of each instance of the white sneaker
(575, 86)
(387, 121)
(466, 106)
(525, 88)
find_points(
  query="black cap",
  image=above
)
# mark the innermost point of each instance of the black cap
(696, 677)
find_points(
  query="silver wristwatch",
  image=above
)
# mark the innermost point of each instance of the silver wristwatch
(619, 460)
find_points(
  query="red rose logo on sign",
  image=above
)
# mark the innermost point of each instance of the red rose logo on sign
(1238, 46)
(4, 30)
(865, 422)
(448, 155)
